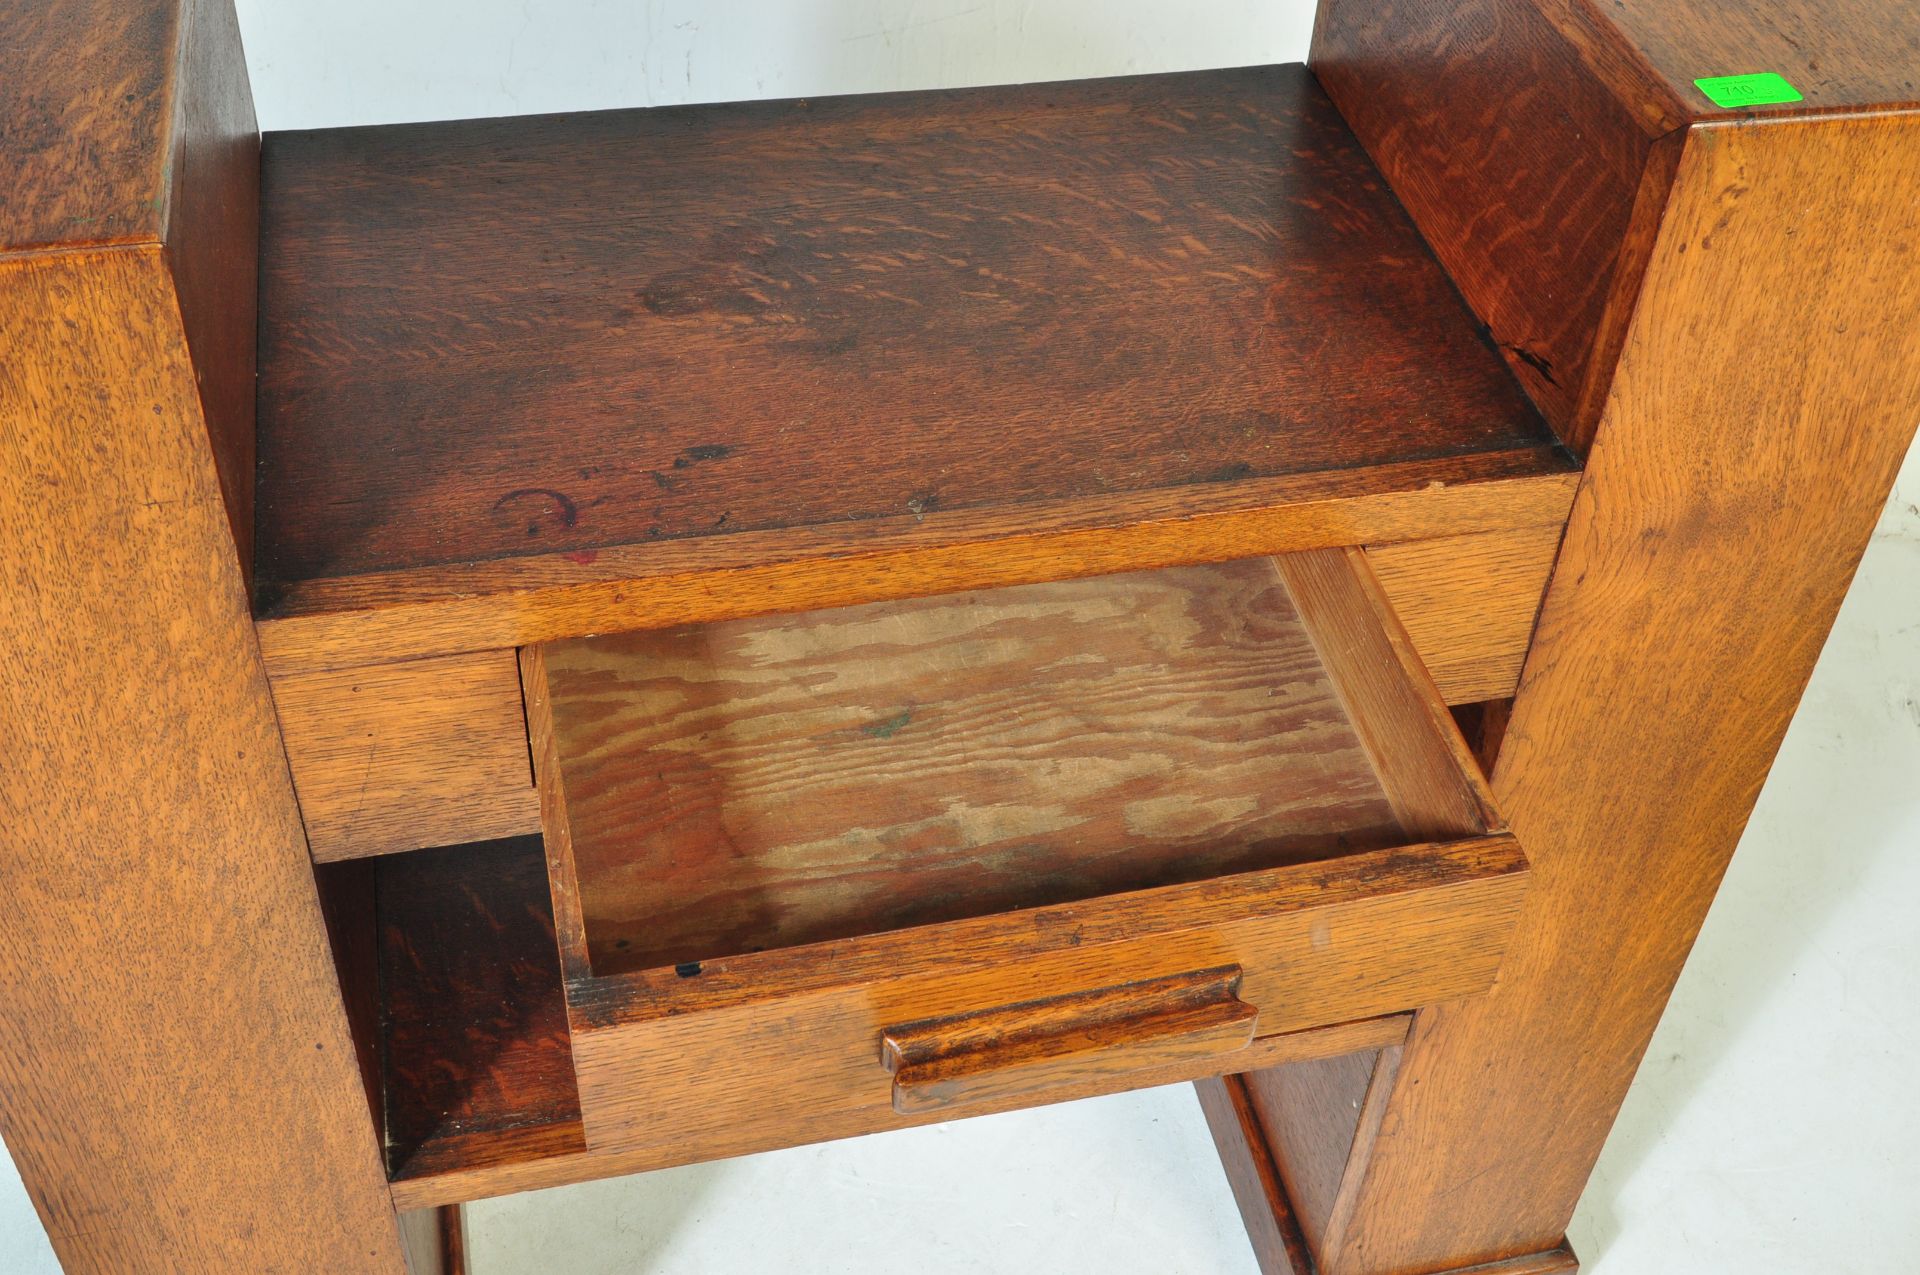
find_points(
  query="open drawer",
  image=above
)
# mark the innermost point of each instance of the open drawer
(991, 848)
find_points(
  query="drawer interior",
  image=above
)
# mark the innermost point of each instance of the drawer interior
(761, 784)
(824, 874)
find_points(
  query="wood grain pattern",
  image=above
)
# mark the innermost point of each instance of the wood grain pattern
(130, 122)
(406, 756)
(1429, 777)
(1161, 318)
(1842, 56)
(763, 784)
(523, 1163)
(479, 1080)
(212, 238)
(1241, 1136)
(1037, 1047)
(779, 1048)
(435, 1240)
(1696, 577)
(87, 91)
(473, 1031)
(347, 905)
(1311, 1114)
(1253, 1176)
(1503, 128)
(1469, 604)
(178, 1071)
(649, 764)
(520, 602)
(180, 1081)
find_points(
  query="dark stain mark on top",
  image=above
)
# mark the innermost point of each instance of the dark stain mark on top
(539, 508)
(694, 455)
(1538, 362)
(1227, 473)
(890, 727)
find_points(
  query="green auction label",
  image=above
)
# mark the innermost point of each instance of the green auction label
(1736, 92)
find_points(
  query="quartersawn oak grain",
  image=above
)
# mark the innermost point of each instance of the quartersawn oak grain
(87, 91)
(181, 1094)
(1696, 577)
(806, 328)
(179, 1075)
(475, 1051)
(1503, 127)
(1469, 604)
(403, 756)
(130, 122)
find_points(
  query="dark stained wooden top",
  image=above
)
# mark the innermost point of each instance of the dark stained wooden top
(551, 336)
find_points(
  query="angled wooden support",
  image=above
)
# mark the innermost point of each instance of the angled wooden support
(1722, 315)
(179, 1086)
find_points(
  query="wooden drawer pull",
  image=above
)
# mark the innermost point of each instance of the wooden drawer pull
(1048, 1044)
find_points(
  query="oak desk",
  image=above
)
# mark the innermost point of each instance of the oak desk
(545, 648)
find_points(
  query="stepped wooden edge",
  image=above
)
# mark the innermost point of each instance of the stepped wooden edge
(1743, 378)
(542, 599)
(179, 1077)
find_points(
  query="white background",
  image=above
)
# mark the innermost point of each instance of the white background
(1772, 1128)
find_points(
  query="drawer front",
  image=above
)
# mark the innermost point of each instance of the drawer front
(801, 1052)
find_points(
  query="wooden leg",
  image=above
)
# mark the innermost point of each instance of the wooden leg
(1767, 391)
(180, 1088)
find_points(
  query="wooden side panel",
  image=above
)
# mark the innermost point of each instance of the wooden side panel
(1254, 1176)
(180, 1080)
(1310, 1112)
(403, 756)
(435, 1240)
(1469, 604)
(1697, 584)
(473, 1025)
(1431, 781)
(1498, 124)
(212, 238)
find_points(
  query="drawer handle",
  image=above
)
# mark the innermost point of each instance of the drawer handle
(1066, 1042)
